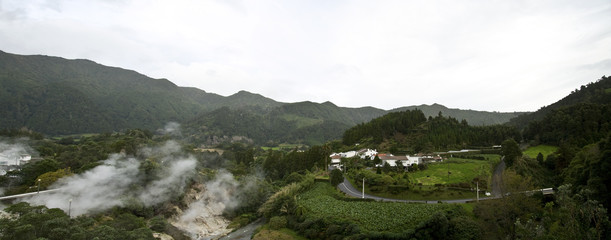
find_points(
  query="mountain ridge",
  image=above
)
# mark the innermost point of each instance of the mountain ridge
(57, 96)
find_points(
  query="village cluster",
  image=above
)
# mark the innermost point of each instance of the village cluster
(386, 158)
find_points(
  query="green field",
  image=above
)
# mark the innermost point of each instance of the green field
(546, 150)
(321, 202)
(461, 170)
(283, 146)
(423, 192)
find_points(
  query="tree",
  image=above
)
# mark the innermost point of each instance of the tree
(377, 160)
(337, 177)
(540, 159)
(498, 217)
(386, 168)
(400, 167)
(511, 151)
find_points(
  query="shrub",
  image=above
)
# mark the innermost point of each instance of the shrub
(394, 189)
(277, 222)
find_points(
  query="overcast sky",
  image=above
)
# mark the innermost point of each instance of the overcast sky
(484, 55)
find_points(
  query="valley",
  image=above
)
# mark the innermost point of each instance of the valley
(118, 155)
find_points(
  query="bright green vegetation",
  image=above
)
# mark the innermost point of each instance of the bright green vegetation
(461, 170)
(546, 150)
(371, 216)
(423, 192)
(430, 182)
(284, 146)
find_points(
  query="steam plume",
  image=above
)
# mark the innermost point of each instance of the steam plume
(107, 185)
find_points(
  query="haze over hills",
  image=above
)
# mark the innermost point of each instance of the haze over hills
(57, 96)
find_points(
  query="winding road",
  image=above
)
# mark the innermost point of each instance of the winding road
(497, 180)
(246, 232)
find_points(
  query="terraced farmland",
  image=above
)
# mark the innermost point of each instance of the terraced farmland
(321, 201)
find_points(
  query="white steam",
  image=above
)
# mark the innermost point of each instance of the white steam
(171, 128)
(119, 178)
(99, 189)
(10, 152)
(203, 218)
(159, 191)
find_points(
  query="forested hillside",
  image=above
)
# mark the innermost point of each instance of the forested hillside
(474, 118)
(598, 92)
(411, 131)
(56, 96)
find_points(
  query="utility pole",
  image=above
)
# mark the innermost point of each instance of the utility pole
(69, 207)
(477, 189)
(363, 187)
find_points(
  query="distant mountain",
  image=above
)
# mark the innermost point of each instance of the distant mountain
(474, 118)
(58, 96)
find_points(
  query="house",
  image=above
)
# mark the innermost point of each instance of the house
(336, 160)
(408, 160)
(363, 153)
(367, 153)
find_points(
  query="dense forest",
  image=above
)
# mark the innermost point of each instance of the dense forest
(473, 117)
(414, 132)
(595, 92)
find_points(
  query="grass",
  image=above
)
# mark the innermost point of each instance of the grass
(283, 146)
(546, 150)
(426, 193)
(468, 208)
(461, 170)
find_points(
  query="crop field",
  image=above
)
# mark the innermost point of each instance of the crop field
(546, 150)
(371, 216)
(461, 170)
(283, 146)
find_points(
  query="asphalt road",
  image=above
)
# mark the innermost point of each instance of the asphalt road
(28, 194)
(246, 232)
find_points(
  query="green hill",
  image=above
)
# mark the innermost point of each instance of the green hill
(411, 131)
(598, 92)
(57, 96)
(474, 118)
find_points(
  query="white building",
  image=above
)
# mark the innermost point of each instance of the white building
(407, 160)
(367, 153)
(14, 159)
